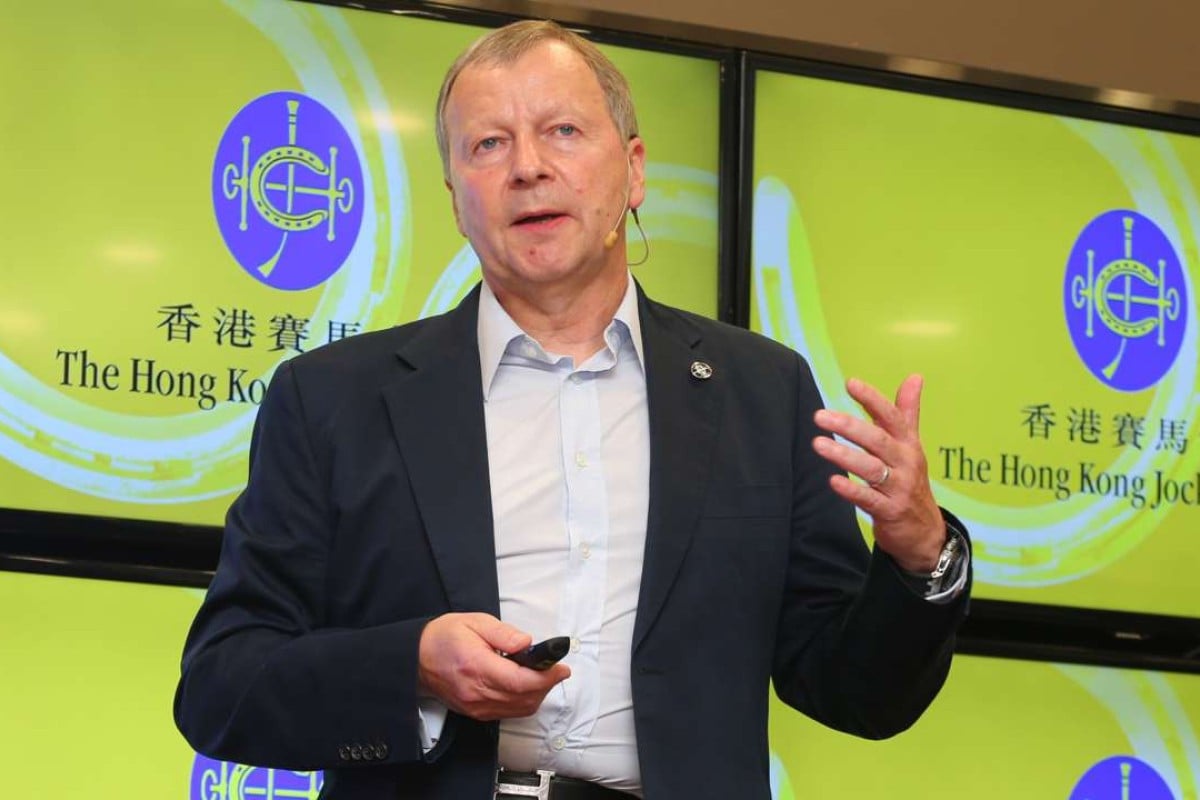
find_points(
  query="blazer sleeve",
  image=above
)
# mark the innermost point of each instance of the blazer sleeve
(263, 682)
(857, 648)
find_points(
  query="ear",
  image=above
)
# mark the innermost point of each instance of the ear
(454, 205)
(636, 152)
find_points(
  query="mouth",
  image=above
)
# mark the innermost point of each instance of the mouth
(538, 220)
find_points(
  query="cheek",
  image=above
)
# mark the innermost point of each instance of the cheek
(612, 206)
(602, 202)
(474, 211)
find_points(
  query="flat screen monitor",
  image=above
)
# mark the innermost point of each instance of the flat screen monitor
(89, 675)
(90, 668)
(1039, 268)
(202, 190)
(1004, 728)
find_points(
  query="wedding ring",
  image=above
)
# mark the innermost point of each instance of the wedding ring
(887, 471)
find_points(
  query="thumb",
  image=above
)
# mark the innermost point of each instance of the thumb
(499, 635)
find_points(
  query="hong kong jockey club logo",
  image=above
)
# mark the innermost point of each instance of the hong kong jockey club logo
(1122, 778)
(222, 780)
(287, 189)
(1126, 300)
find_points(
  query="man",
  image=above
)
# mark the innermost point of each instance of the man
(567, 456)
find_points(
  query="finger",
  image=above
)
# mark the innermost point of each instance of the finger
(497, 634)
(869, 467)
(902, 419)
(522, 680)
(878, 407)
(860, 495)
(491, 687)
(908, 400)
(511, 690)
(870, 437)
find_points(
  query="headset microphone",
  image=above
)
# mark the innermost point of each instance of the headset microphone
(610, 238)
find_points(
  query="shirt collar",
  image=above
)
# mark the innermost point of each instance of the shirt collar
(496, 330)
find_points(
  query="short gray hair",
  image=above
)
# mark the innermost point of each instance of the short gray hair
(506, 45)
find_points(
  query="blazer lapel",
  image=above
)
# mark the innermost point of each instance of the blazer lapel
(684, 418)
(436, 411)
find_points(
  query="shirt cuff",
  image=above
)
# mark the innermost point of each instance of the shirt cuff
(432, 715)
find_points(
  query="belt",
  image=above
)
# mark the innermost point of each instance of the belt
(545, 785)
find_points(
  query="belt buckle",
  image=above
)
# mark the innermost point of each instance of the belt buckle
(541, 791)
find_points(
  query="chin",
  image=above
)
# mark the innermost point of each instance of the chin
(548, 271)
(548, 267)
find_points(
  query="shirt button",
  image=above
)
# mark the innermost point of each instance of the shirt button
(585, 550)
(577, 378)
(580, 460)
(559, 743)
(574, 644)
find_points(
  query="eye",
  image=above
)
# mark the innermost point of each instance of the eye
(567, 129)
(489, 143)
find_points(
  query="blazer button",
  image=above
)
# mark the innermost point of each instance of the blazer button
(356, 753)
(381, 750)
(344, 753)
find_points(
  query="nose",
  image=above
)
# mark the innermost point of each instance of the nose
(528, 162)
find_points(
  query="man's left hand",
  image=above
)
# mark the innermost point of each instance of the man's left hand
(907, 522)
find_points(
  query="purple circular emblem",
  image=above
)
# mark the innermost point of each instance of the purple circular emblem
(1125, 299)
(223, 780)
(1122, 778)
(287, 187)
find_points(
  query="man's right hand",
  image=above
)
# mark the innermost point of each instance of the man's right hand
(460, 664)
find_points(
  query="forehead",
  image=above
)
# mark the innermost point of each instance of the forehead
(550, 74)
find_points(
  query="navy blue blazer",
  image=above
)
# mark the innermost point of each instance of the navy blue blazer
(367, 512)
